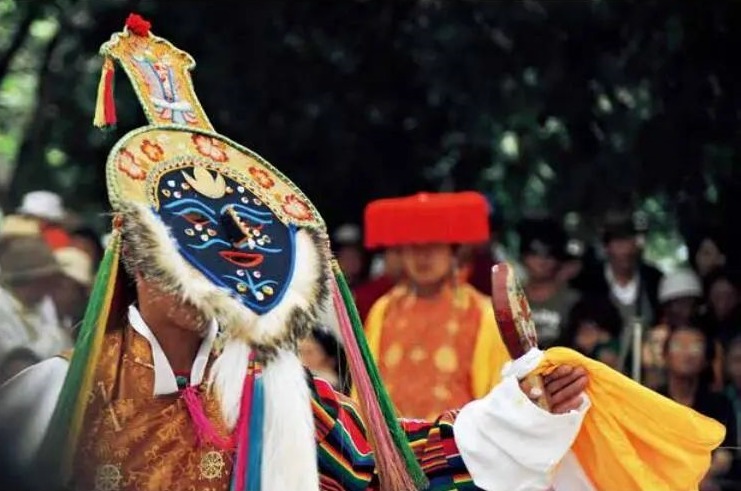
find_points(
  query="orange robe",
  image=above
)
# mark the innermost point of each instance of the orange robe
(133, 440)
(435, 353)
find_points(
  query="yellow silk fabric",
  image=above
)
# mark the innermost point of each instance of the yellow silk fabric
(634, 439)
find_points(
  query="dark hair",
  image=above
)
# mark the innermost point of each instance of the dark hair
(715, 235)
(619, 227)
(719, 274)
(542, 236)
(733, 343)
(595, 309)
(333, 349)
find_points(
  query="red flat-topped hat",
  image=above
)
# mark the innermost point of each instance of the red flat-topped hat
(426, 218)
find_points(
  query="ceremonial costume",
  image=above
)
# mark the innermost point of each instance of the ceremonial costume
(215, 224)
(448, 341)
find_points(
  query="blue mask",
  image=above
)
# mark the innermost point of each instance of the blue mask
(225, 232)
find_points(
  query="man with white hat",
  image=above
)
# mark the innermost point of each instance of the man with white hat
(44, 205)
(41, 213)
(679, 294)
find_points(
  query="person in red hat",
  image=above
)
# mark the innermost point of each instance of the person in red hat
(433, 328)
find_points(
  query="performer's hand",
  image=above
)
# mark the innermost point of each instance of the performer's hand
(564, 387)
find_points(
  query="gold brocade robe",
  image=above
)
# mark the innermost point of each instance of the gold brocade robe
(134, 441)
(435, 353)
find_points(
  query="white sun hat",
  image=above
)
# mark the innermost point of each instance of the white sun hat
(680, 284)
(43, 204)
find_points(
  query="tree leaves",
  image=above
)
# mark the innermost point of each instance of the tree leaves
(560, 105)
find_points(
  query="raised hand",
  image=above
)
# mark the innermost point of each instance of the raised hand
(563, 388)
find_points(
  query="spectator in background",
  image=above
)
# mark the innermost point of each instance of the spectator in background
(73, 288)
(594, 329)
(542, 249)
(573, 262)
(722, 310)
(86, 239)
(680, 294)
(708, 251)
(689, 375)
(324, 356)
(350, 254)
(366, 294)
(47, 209)
(625, 279)
(482, 257)
(28, 317)
(733, 392)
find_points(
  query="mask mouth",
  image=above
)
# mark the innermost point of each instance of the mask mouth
(242, 259)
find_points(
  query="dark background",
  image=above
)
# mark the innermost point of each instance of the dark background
(573, 107)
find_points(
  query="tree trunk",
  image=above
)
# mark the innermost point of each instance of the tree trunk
(32, 10)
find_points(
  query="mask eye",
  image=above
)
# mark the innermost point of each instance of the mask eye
(196, 218)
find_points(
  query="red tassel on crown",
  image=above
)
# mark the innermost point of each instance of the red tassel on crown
(138, 25)
(105, 106)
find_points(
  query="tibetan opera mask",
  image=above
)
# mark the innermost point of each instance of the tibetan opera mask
(225, 231)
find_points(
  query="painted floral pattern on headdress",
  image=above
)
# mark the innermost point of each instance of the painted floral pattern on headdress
(210, 147)
(262, 177)
(152, 150)
(126, 163)
(296, 207)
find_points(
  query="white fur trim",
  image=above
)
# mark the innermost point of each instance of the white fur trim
(289, 446)
(328, 319)
(227, 379)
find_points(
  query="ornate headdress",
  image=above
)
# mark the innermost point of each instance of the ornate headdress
(215, 223)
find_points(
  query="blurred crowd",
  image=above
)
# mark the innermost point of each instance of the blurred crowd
(48, 259)
(596, 298)
(593, 297)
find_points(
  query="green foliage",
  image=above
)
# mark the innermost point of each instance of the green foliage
(572, 107)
